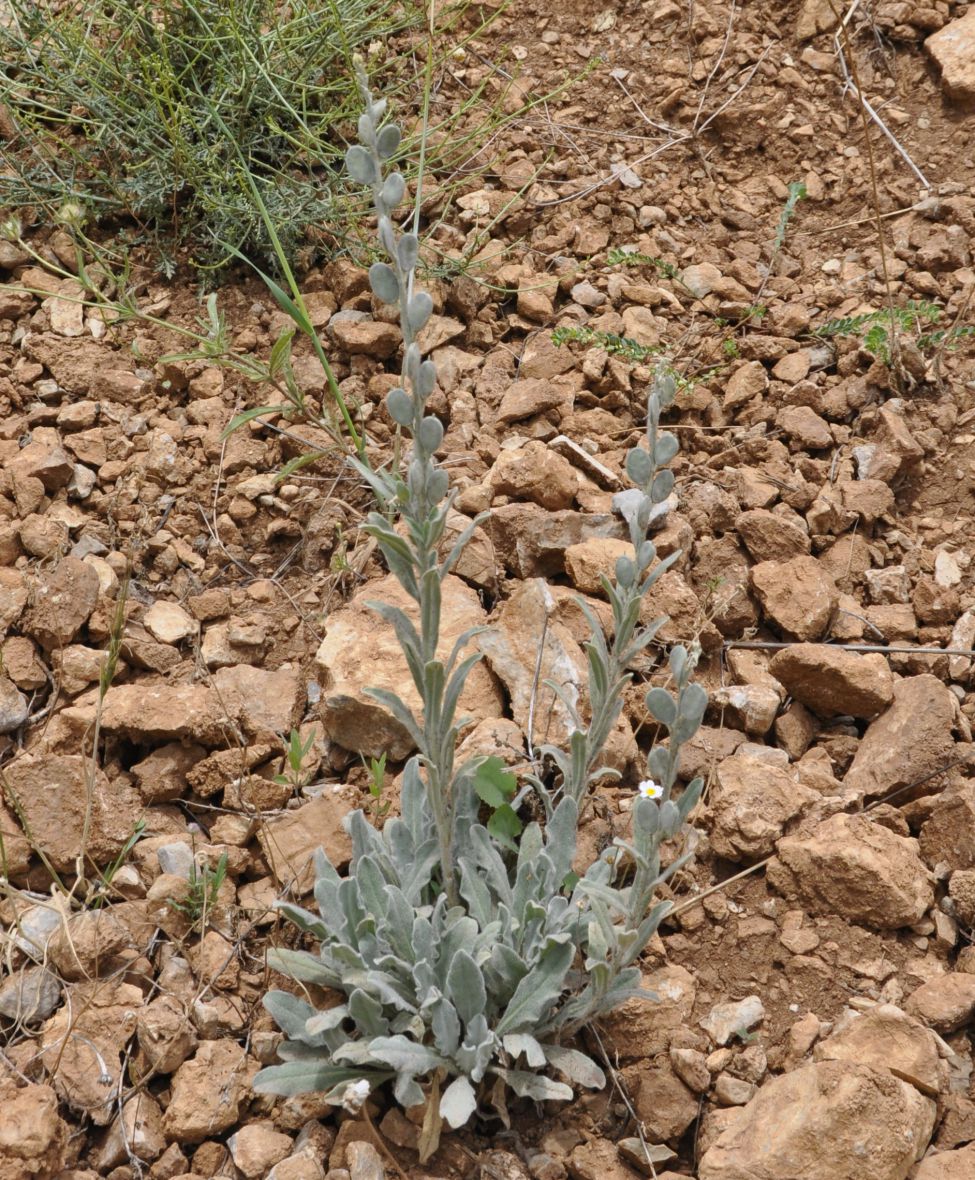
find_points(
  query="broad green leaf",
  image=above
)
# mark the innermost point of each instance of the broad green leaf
(360, 165)
(494, 784)
(388, 140)
(290, 1012)
(505, 826)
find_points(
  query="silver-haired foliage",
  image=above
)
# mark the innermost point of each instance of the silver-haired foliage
(466, 966)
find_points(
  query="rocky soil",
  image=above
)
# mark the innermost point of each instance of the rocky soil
(817, 978)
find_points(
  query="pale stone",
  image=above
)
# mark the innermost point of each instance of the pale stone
(360, 651)
(832, 1120)
(169, 623)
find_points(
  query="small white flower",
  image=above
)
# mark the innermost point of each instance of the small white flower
(650, 790)
(355, 1095)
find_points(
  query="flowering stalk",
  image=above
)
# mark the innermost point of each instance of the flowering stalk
(421, 495)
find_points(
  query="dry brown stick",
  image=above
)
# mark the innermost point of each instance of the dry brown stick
(763, 645)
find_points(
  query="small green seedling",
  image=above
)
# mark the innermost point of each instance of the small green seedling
(376, 769)
(104, 882)
(295, 775)
(204, 887)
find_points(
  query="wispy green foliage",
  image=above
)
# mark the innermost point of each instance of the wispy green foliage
(201, 899)
(615, 345)
(873, 328)
(142, 95)
(618, 256)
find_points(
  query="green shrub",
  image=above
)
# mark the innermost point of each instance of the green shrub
(155, 110)
(468, 960)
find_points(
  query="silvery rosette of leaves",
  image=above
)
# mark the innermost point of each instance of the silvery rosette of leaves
(467, 960)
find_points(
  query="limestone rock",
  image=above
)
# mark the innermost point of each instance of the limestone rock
(857, 869)
(751, 805)
(51, 791)
(160, 712)
(961, 890)
(833, 1120)
(944, 1003)
(953, 48)
(752, 707)
(672, 599)
(643, 1028)
(833, 681)
(161, 775)
(908, 741)
(805, 427)
(51, 465)
(87, 943)
(33, 1137)
(531, 542)
(962, 638)
(29, 994)
(525, 399)
(169, 623)
(478, 562)
(747, 381)
(13, 707)
(589, 561)
(599, 1160)
(138, 1132)
(83, 1042)
(771, 537)
(166, 1035)
(355, 332)
(664, 1104)
(264, 702)
(208, 1092)
(948, 1165)
(257, 1147)
(797, 596)
(709, 746)
(289, 840)
(511, 649)
(725, 1021)
(815, 16)
(534, 472)
(360, 651)
(13, 597)
(885, 1037)
(61, 604)
(948, 836)
(365, 1163)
